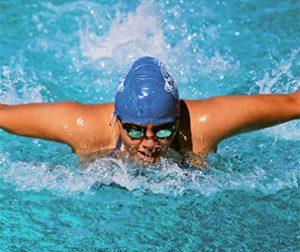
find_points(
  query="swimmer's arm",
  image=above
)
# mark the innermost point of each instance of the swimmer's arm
(221, 117)
(71, 123)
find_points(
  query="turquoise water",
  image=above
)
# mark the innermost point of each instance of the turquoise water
(247, 200)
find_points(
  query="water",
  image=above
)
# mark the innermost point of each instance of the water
(247, 199)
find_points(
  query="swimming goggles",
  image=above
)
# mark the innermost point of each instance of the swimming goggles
(137, 132)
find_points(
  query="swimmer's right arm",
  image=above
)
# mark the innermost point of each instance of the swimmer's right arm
(71, 123)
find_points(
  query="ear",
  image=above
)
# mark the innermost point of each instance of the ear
(114, 121)
(119, 124)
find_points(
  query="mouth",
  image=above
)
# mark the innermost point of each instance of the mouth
(147, 158)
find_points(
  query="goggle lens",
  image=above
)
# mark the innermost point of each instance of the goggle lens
(133, 133)
(137, 132)
(164, 133)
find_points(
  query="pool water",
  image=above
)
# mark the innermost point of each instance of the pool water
(248, 199)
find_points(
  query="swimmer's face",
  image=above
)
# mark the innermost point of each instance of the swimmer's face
(146, 143)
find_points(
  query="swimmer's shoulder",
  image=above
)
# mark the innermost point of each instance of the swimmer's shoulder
(99, 129)
(196, 105)
(194, 134)
(98, 114)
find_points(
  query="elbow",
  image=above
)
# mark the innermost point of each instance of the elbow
(294, 101)
(2, 106)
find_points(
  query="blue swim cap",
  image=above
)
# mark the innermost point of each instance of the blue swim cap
(147, 94)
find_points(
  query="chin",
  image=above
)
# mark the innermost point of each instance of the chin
(149, 163)
(147, 160)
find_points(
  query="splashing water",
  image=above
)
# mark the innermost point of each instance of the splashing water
(167, 178)
(127, 36)
(282, 80)
(77, 50)
(17, 87)
(127, 40)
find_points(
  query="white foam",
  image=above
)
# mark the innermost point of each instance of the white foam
(139, 33)
(168, 178)
(129, 37)
(272, 83)
(288, 131)
(15, 86)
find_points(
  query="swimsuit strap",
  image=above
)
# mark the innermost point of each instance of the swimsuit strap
(119, 143)
(112, 154)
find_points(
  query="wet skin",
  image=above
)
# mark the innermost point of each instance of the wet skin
(88, 128)
(148, 149)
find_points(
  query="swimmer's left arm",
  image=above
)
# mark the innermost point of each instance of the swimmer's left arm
(230, 115)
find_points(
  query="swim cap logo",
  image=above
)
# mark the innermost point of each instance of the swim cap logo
(170, 86)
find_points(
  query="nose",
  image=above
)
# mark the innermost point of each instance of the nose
(150, 140)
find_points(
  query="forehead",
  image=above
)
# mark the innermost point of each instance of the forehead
(149, 126)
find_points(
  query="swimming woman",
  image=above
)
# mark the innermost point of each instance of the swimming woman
(148, 119)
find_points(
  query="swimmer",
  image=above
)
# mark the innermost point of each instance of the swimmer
(148, 119)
